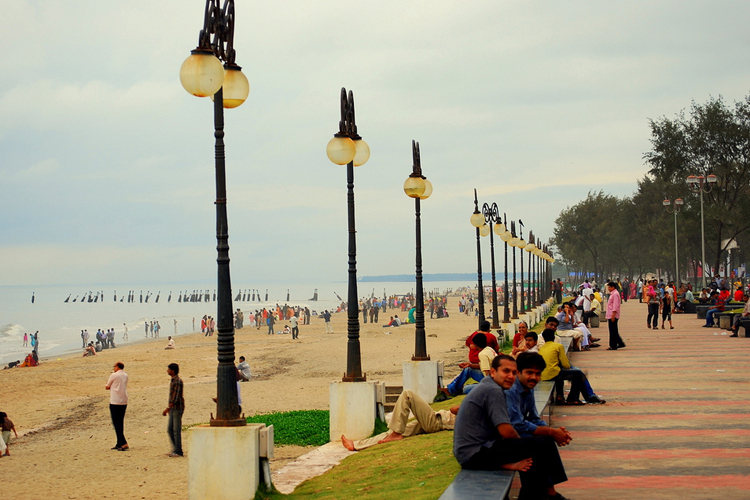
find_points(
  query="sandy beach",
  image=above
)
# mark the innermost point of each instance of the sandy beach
(61, 409)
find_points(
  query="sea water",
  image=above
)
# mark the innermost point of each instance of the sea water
(59, 323)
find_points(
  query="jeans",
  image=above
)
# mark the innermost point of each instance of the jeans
(710, 316)
(174, 429)
(587, 315)
(578, 384)
(653, 315)
(117, 412)
(295, 332)
(457, 385)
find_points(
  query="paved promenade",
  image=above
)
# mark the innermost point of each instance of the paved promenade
(677, 420)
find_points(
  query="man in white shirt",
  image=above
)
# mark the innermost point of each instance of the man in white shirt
(244, 369)
(117, 384)
(295, 327)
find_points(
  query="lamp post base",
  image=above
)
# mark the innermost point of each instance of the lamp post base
(352, 409)
(223, 462)
(228, 423)
(421, 377)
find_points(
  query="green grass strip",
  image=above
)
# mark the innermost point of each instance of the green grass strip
(302, 428)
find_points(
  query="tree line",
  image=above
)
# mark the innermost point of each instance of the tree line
(608, 236)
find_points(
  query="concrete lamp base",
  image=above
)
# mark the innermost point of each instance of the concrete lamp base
(421, 377)
(223, 463)
(352, 409)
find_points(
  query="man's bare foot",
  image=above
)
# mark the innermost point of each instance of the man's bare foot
(522, 466)
(348, 443)
(392, 436)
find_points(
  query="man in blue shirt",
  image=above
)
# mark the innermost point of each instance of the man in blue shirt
(520, 401)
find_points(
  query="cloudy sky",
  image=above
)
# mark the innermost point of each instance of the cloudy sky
(106, 163)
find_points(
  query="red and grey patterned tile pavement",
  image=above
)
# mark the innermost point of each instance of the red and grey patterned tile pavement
(677, 420)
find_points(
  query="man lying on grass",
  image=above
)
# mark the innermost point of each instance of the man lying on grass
(427, 421)
(484, 437)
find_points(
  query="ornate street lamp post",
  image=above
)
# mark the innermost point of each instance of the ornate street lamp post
(548, 267)
(521, 244)
(477, 220)
(541, 288)
(506, 237)
(348, 148)
(513, 242)
(492, 217)
(701, 184)
(677, 207)
(202, 75)
(529, 247)
(418, 187)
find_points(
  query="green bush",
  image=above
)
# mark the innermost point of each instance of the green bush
(302, 428)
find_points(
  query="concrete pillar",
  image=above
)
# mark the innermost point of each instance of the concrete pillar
(422, 378)
(510, 328)
(352, 409)
(223, 462)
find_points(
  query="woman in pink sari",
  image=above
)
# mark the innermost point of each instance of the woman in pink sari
(632, 290)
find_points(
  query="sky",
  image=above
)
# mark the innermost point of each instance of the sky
(107, 168)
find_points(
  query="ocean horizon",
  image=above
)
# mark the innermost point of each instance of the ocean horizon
(59, 323)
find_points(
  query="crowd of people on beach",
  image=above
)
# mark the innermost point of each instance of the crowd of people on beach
(32, 358)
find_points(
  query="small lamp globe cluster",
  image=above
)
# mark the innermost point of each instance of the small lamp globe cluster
(417, 186)
(202, 75)
(342, 150)
(477, 220)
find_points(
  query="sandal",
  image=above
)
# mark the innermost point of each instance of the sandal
(574, 403)
(611, 348)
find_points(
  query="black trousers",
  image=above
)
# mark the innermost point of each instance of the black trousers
(653, 314)
(546, 470)
(586, 315)
(117, 412)
(615, 341)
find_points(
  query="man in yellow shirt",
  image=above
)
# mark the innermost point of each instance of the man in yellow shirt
(559, 369)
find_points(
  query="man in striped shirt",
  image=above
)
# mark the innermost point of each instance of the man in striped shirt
(175, 409)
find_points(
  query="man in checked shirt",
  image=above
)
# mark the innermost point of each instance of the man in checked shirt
(174, 410)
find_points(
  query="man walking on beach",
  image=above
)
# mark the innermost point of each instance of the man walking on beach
(174, 409)
(271, 322)
(295, 326)
(327, 318)
(117, 384)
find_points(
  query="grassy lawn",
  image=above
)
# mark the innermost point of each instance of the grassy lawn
(420, 467)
